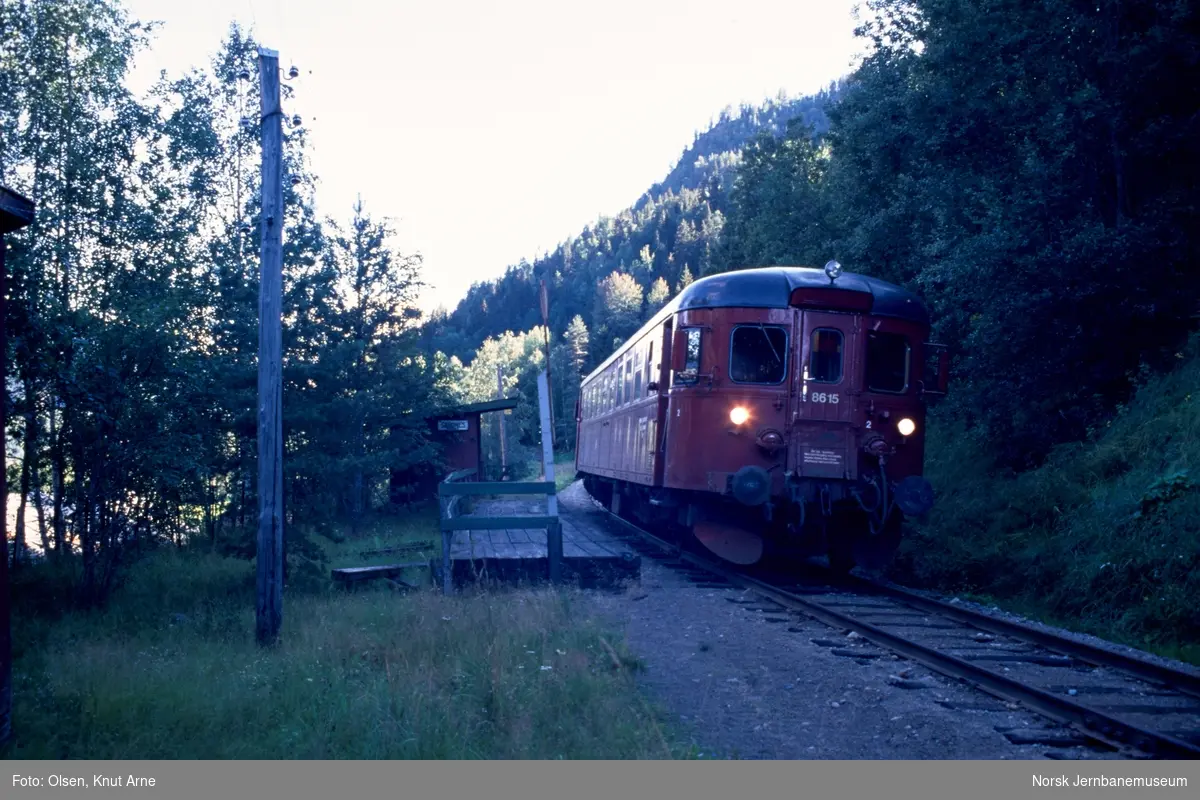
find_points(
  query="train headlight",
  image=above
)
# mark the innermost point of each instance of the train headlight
(738, 415)
(906, 426)
(833, 269)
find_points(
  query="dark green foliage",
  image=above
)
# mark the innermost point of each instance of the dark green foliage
(134, 301)
(1032, 170)
(779, 214)
(1105, 534)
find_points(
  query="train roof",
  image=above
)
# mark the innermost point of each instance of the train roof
(772, 287)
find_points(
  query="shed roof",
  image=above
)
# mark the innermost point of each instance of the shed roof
(16, 211)
(479, 408)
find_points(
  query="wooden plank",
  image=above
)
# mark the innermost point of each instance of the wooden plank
(496, 523)
(476, 488)
(529, 550)
(382, 570)
(401, 548)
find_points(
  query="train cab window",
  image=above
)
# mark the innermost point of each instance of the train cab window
(888, 356)
(758, 354)
(825, 356)
(691, 366)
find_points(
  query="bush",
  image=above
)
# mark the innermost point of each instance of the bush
(1103, 535)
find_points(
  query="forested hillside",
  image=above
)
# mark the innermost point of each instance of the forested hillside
(667, 237)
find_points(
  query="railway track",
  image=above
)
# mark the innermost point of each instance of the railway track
(1114, 701)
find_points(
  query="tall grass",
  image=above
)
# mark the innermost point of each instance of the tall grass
(1105, 536)
(170, 670)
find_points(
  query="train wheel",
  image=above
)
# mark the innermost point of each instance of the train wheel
(601, 491)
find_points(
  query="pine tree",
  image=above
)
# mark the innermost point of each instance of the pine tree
(685, 279)
(657, 297)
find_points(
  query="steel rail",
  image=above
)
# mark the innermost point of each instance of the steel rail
(1096, 725)
(1184, 682)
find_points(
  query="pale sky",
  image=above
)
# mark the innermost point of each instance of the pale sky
(489, 132)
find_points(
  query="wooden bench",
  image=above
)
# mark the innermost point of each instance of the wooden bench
(348, 575)
(400, 548)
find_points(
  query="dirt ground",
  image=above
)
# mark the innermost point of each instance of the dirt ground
(746, 681)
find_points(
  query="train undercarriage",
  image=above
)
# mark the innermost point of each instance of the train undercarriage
(850, 525)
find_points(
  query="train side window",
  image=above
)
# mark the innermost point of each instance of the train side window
(888, 357)
(629, 379)
(691, 366)
(825, 356)
(758, 354)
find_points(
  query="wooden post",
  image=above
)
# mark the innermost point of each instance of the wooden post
(554, 529)
(269, 604)
(545, 304)
(500, 413)
(447, 578)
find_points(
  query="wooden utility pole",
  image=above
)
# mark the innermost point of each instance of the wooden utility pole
(15, 212)
(554, 530)
(545, 304)
(500, 396)
(269, 603)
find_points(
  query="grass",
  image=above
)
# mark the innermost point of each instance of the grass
(1103, 538)
(170, 670)
(564, 470)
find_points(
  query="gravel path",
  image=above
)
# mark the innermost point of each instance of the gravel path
(749, 683)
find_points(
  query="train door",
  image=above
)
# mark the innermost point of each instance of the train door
(661, 383)
(824, 394)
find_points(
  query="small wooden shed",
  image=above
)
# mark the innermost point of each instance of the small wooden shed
(457, 431)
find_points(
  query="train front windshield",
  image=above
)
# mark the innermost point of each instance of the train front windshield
(758, 354)
(888, 356)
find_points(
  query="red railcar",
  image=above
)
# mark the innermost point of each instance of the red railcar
(769, 410)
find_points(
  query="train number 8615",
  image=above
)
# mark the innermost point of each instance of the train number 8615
(824, 397)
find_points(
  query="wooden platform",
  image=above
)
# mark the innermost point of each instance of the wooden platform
(591, 558)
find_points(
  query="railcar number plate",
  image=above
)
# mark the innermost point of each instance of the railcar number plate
(824, 397)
